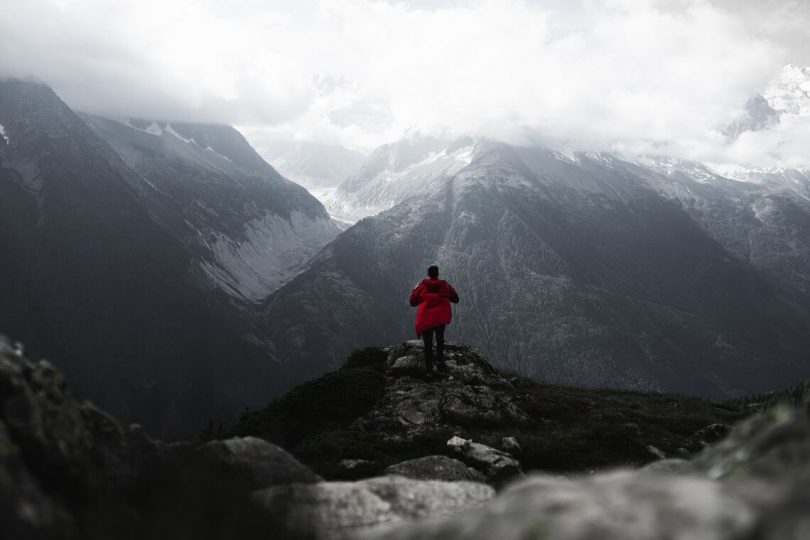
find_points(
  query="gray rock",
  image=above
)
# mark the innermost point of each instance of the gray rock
(346, 510)
(494, 463)
(656, 452)
(25, 511)
(264, 464)
(436, 468)
(87, 446)
(623, 505)
(708, 435)
(671, 465)
(52, 444)
(473, 393)
(511, 445)
(774, 445)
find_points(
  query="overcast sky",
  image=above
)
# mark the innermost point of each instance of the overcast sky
(627, 75)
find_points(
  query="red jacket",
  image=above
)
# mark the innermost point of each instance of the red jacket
(433, 296)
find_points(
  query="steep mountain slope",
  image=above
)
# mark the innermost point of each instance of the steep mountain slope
(249, 227)
(575, 271)
(94, 278)
(395, 172)
(765, 223)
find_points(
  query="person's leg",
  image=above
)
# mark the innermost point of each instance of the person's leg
(427, 339)
(440, 346)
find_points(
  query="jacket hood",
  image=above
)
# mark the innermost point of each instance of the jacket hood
(433, 285)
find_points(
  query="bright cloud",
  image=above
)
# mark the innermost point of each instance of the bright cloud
(627, 75)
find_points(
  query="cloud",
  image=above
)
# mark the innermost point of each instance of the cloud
(629, 75)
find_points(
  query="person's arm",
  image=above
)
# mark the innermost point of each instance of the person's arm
(416, 295)
(453, 294)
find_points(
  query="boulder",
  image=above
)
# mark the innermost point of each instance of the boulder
(261, 463)
(346, 510)
(708, 435)
(495, 464)
(436, 468)
(511, 445)
(623, 505)
(771, 445)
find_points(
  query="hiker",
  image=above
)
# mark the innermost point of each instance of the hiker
(433, 296)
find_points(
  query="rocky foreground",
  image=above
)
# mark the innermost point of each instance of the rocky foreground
(385, 453)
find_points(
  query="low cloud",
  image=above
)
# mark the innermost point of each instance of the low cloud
(629, 75)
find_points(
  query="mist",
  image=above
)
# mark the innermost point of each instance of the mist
(629, 76)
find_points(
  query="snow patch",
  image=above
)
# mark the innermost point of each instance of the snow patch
(3, 134)
(153, 129)
(170, 130)
(209, 149)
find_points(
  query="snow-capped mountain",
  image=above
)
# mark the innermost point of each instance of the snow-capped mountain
(586, 270)
(783, 105)
(789, 92)
(764, 222)
(252, 229)
(394, 172)
(757, 114)
(314, 165)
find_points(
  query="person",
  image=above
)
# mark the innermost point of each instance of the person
(433, 296)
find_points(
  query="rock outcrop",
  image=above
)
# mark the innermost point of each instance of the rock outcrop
(379, 410)
(755, 484)
(69, 470)
(344, 510)
(495, 464)
(261, 463)
(473, 392)
(56, 452)
(436, 468)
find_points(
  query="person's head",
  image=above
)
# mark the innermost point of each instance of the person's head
(433, 271)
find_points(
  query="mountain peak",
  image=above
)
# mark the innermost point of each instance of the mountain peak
(790, 91)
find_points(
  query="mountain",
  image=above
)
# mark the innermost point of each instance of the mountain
(764, 221)
(250, 228)
(586, 271)
(757, 114)
(789, 92)
(98, 274)
(397, 171)
(314, 165)
(785, 102)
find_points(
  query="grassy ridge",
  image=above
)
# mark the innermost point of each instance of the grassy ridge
(570, 429)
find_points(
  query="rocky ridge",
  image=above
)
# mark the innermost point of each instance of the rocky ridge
(380, 410)
(69, 470)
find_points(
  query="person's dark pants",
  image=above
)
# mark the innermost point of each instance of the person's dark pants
(427, 337)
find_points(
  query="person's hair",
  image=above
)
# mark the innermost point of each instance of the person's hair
(433, 271)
